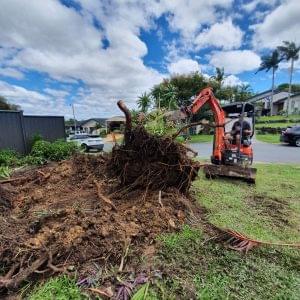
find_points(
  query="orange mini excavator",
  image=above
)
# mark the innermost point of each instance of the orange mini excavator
(232, 152)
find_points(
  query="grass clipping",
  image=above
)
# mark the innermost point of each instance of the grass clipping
(66, 216)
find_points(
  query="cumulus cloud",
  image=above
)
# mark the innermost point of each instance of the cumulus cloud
(184, 66)
(232, 80)
(235, 61)
(282, 24)
(252, 5)
(223, 35)
(187, 16)
(11, 72)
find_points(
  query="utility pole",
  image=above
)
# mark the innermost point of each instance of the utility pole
(74, 118)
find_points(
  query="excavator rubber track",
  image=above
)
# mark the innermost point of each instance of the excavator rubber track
(245, 173)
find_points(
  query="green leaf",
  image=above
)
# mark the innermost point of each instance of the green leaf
(141, 294)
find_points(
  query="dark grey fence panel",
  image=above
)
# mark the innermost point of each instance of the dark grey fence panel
(17, 131)
(12, 131)
(50, 128)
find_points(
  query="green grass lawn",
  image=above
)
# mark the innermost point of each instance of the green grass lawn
(199, 138)
(274, 118)
(268, 138)
(274, 125)
(197, 268)
(193, 266)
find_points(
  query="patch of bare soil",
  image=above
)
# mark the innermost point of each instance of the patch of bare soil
(66, 216)
(277, 209)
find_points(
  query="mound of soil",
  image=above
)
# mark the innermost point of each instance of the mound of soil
(105, 209)
(73, 213)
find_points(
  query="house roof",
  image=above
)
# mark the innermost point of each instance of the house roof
(116, 119)
(98, 120)
(285, 98)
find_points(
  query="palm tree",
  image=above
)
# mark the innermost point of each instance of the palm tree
(144, 102)
(270, 62)
(219, 76)
(289, 51)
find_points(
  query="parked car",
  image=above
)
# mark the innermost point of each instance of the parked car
(87, 142)
(291, 135)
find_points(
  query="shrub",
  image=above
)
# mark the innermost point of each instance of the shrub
(8, 158)
(56, 151)
(4, 172)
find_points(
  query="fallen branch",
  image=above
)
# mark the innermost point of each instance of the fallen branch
(102, 197)
(13, 179)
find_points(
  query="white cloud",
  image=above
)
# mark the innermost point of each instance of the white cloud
(224, 35)
(184, 66)
(232, 80)
(187, 16)
(282, 24)
(252, 5)
(235, 61)
(10, 72)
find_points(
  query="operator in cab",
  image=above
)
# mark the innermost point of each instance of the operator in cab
(234, 136)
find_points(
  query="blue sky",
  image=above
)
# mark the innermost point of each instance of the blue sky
(93, 52)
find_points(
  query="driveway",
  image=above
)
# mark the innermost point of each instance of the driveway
(263, 152)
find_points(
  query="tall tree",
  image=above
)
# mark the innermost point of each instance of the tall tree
(219, 76)
(290, 52)
(5, 105)
(144, 102)
(270, 62)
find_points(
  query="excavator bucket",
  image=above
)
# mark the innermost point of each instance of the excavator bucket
(246, 173)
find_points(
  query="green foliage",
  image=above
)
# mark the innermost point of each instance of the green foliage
(141, 293)
(8, 158)
(5, 105)
(269, 62)
(178, 91)
(268, 138)
(144, 102)
(285, 87)
(56, 151)
(59, 288)
(289, 51)
(4, 172)
(156, 123)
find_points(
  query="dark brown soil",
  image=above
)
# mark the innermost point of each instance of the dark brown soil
(277, 209)
(67, 215)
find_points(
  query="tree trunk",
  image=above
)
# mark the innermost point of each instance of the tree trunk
(290, 86)
(271, 104)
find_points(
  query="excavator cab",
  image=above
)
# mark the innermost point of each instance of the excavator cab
(238, 145)
(237, 153)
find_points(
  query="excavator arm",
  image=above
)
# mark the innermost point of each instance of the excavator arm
(206, 96)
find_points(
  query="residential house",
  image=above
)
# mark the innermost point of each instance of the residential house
(87, 126)
(115, 123)
(90, 125)
(279, 101)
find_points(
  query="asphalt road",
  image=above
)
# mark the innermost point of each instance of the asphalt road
(263, 152)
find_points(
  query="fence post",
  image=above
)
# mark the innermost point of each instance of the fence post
(23, 131)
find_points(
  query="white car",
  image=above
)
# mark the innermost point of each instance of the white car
(87, 142)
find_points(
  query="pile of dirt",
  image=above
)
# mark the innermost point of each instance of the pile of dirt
(104, 209)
